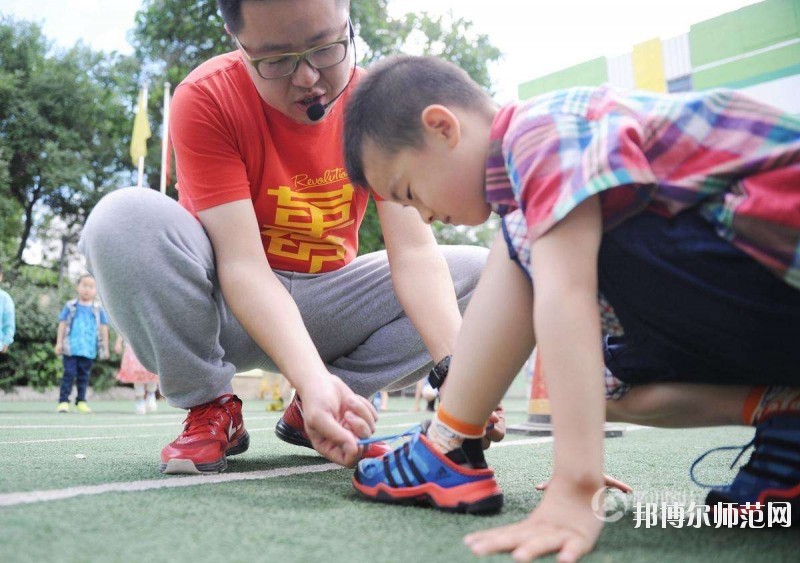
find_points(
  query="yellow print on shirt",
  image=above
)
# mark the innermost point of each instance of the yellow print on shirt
(302, 218)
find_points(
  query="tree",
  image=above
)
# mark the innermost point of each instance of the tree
(63, 128)
(172, 37)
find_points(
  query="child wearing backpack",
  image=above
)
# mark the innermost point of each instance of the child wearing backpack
(82, 335)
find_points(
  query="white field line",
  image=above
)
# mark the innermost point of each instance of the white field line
(28, 497)
(13, 499)
(123, 436)
(82, 426)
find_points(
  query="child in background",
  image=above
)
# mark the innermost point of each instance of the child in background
(7, 320)
(145, 383)
(681, 212)
(82, 334)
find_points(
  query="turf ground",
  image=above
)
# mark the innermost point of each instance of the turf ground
(278, 502)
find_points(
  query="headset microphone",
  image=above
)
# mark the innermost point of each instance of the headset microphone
(316, 111)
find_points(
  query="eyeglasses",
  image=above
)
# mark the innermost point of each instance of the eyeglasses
(280, 66)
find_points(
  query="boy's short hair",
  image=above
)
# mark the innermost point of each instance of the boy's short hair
(82, 277)
(387, 103)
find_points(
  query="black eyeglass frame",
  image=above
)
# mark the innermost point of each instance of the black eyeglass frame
(302, 56)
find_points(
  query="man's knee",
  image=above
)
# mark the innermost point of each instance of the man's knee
(466, 264)
(120, 211)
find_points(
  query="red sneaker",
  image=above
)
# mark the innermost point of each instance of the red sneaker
(211, 432)
(292, 429)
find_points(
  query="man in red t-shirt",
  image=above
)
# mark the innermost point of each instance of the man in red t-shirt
(256, 266)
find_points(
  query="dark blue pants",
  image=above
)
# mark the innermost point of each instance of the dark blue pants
(695, 308)
(75, 368)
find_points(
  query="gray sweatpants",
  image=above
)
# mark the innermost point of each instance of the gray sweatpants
(155, 272)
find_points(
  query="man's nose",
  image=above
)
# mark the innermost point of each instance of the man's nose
(305, 75)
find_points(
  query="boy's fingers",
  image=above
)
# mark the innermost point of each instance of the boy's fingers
(617, 484)
(572, 550)
(536, 547)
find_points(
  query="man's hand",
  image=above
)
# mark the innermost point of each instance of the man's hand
(59, 348)
(496, 427)
(336, 418)
(563, 523)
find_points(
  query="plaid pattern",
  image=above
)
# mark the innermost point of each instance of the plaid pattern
(734, 158)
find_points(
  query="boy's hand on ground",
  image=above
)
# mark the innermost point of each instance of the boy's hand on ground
(610, 482)
(563, 523)
(498, 427)
(336, 418)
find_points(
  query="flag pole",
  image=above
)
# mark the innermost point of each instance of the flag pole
(143, 94)
(165, 140)
(140, 182)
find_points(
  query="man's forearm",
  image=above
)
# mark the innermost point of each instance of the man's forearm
(425, 290)
(269, 314)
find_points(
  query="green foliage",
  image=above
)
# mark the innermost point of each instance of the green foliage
(31, 358)
(370, 236)
(62, 130)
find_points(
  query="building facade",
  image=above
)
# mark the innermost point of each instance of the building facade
(755, 49)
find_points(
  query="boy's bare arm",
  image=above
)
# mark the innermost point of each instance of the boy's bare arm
(567, 327)
(62, 327)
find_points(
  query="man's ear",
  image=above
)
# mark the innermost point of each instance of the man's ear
(439, 121)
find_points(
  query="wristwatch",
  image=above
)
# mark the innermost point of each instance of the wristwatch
(439, 372)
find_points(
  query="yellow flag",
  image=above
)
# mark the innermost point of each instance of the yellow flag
(141, 130)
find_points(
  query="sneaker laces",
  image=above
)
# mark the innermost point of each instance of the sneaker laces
(202, 417)
(741, 449)
(413, 432)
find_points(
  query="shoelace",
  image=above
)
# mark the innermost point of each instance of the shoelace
(199, 418)
(741, 449)
(413, 431)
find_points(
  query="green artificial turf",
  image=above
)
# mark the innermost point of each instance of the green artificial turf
(318, 516)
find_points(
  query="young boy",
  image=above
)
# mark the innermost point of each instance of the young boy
(683, 212)
(82, 333)
(7, 324)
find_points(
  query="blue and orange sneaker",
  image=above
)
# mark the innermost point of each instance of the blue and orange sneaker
(417, 473)
(291, 428)
(773, 472)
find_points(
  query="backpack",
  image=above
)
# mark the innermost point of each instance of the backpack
(72, 310)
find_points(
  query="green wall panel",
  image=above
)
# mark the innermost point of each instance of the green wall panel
(744, 30)
(590, 73)
(751, 70)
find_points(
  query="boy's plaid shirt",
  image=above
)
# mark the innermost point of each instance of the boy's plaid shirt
(735, 159)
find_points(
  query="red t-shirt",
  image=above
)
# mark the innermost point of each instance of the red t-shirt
(230, 145)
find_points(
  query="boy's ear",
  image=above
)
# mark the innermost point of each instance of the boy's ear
(439, 121)
(227, 29)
